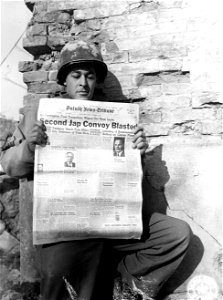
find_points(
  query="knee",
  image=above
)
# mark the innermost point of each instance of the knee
(182, 232)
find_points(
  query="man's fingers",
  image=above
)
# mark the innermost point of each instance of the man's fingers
(38, 137)
(139, 134)
(140, 145)
(38, 130)
(139, 140)
(138, 128)
(41, 125)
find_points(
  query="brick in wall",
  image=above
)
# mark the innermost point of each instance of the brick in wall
(156, 129)
(36, 30)
(39, 76)
(27, 66)
(44, 88)
(213, 127)
(52, 17)
(147, 117)
(168, 102)
(186, 113)
(36, 45)
(193, 127)
(200, 99)
(108, 9)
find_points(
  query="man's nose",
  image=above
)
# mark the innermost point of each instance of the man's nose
(83, 80)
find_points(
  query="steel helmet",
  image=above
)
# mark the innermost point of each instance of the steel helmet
(76, 52)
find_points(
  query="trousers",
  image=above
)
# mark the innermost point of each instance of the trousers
(146, 263)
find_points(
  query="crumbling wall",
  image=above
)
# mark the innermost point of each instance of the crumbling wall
(165, 56)
(10, 233)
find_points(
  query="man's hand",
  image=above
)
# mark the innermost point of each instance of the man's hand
(139, 140)
(37, 136)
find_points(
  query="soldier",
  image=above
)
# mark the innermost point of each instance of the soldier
(144, 264)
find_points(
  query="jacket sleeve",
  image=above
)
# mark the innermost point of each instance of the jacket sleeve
(18, 161)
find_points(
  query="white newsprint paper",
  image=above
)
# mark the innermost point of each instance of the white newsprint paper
(83, 188)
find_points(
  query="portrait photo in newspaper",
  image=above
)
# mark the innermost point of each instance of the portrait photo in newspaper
(69, 160)
(119, 146)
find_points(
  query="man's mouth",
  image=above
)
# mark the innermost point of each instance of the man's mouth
(82, 92)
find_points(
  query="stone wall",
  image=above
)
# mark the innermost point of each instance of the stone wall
(10, 232)
(165, 56)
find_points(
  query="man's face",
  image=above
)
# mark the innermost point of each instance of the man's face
(80, 82)
(69, 157)
(119, 146)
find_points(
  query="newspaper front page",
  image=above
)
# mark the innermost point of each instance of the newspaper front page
(87, 179)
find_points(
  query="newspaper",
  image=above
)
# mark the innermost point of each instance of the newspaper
(87, 179)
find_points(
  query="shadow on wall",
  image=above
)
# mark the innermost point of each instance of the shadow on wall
(110, 90)
(156, 175)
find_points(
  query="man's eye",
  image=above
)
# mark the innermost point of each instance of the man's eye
(91, 76)
(75, 75)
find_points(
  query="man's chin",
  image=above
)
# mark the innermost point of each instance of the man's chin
(82, 96)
